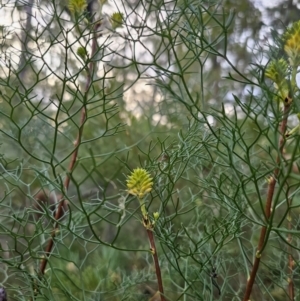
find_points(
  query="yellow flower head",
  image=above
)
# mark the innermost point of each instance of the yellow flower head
(77, 7)
(291, 39)
(139, 183)
(277, 71)
(116, 20)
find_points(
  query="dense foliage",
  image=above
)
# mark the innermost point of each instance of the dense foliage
(172, 124)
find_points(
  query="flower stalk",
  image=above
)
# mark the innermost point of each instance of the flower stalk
(271, 188)
(291, 262)
(283, 74)
(140, 183)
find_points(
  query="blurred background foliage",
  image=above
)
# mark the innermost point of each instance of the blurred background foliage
(179, 90)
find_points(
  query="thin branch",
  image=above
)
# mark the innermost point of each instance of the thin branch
(291, 288)
(24, 40)
(271, 189)
(156, 263)
(62, 202)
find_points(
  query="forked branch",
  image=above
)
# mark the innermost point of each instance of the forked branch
(270, 194)
(61, 205)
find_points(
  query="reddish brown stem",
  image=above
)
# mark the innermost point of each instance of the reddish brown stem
(61, 205)
(291, 288)
(156, 263)
(271, 189)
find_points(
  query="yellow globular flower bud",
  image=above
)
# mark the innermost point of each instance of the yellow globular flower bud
(116, 20)
(277, 71)
(77, 7)
(139, 183)
(291, 39)
(156, 215)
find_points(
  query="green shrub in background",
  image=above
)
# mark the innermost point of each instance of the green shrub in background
(113, 132)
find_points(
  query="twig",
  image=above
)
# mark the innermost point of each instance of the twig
(156, 263)
(59, 211)
(291, 288)
(271, 189)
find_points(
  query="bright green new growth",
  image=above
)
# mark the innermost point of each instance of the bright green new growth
(81, 52)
